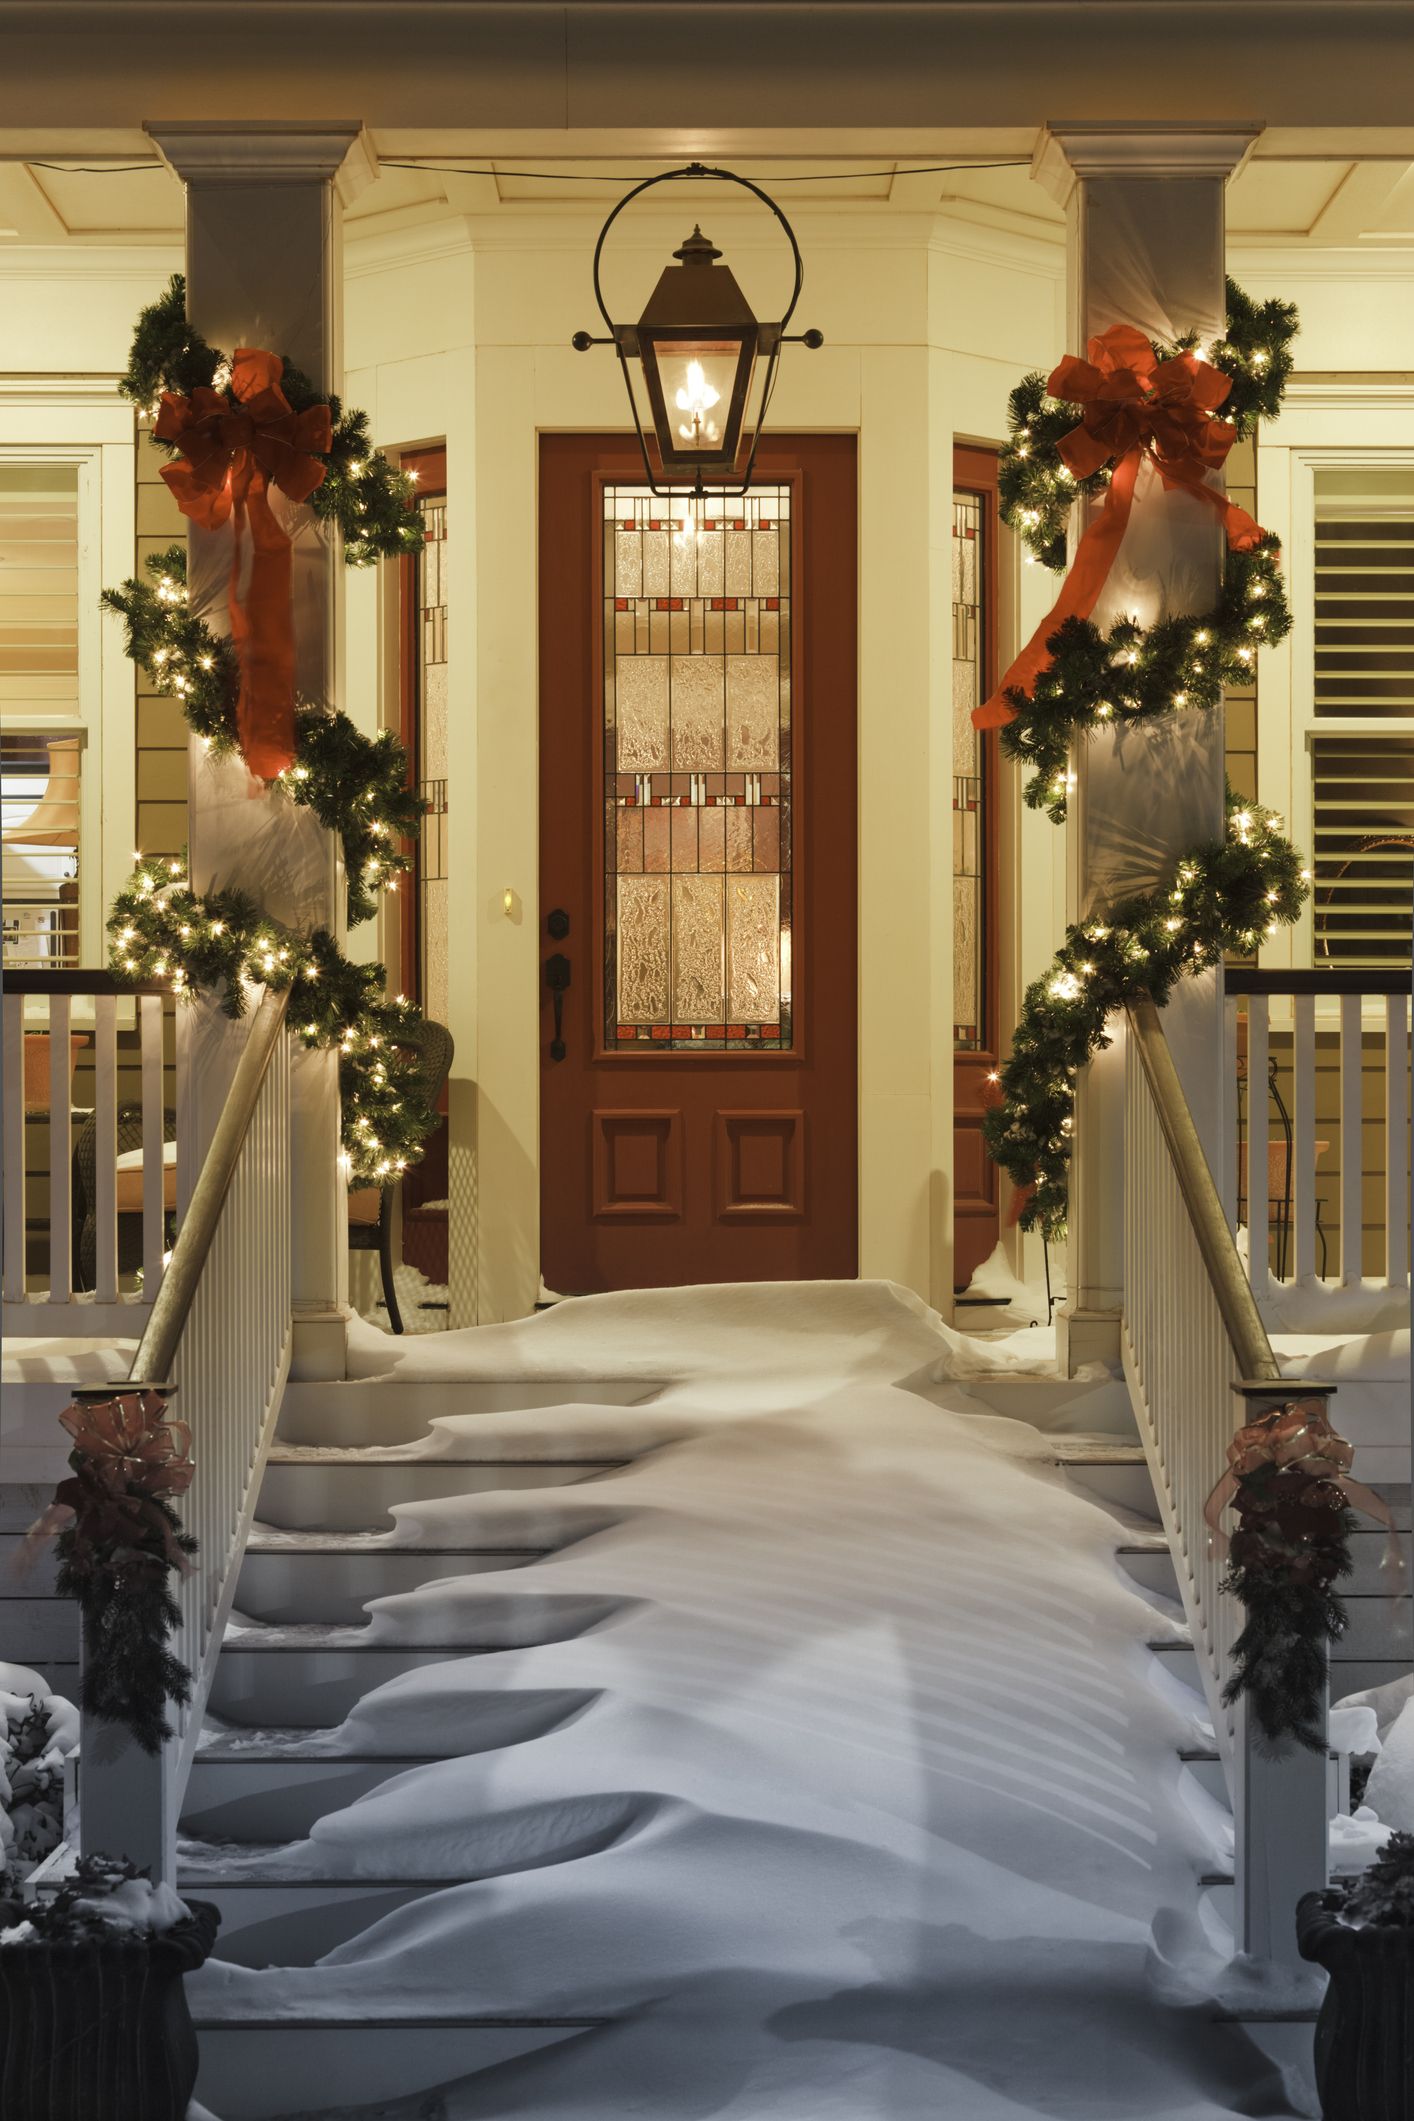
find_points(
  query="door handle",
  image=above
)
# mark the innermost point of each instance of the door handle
(557, 978)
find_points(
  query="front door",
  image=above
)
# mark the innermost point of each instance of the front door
(697, 871)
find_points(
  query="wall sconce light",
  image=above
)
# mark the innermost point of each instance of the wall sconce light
(708, 367)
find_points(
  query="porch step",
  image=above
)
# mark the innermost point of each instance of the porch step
(329, 1576)
(311, 1676)
(387, 1410)
(264, 2070)
(348, 1490)
(1115, 1473)
(287, 1922)
(269, 1796)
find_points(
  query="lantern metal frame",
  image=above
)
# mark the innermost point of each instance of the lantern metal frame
(770, 338)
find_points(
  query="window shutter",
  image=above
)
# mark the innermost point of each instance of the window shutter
(1364, 854)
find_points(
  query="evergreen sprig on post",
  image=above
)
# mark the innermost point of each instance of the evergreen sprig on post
(1224, 897)
(1133, 674)
(373, 502)
(356, 785)
(1036, 490)
(160, 929)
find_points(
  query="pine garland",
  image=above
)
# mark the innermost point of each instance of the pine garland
(1130, 675)
(129, 1615)
(1036, 490)
(371, 500)
(356, 785)
(161, 929)
(1292, 1546)
(1224, 897)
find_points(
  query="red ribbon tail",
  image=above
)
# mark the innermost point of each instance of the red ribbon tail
(1219, 1498)
(1080, 592)
(264, 634)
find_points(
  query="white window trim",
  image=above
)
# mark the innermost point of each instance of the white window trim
(1327, 424)
(81, 420)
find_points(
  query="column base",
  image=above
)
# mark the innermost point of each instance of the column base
(1085, 1336)
(319, 1351)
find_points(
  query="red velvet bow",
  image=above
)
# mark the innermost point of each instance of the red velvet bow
(1133, 406)
(234, 454)
(128, 1455)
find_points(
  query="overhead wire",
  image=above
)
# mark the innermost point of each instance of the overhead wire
(562, 176)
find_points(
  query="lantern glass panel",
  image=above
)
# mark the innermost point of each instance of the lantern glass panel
(703, 384)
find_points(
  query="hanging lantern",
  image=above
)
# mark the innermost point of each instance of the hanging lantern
(698, 356)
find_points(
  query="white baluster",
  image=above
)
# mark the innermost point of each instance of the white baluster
(1258, 1150)
(14, 1148)
(1396, 1142)
(153, 1144)
(105, 1187)
(1303, 1152)
(61, 1225)
(1352, 1148)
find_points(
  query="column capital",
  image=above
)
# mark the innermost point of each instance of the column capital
(267, 151)
(1069, 150)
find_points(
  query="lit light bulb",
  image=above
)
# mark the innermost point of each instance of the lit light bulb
(696, 398)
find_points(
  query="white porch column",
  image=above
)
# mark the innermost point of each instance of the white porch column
(264, 269)
(1145, 236)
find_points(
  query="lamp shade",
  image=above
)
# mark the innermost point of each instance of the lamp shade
(697, 342)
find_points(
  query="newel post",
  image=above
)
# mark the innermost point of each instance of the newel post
(264, 269)
(1144, 208)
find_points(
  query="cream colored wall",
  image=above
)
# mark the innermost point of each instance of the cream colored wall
(926, 333)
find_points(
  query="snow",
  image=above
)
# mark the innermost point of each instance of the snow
(826, 1757)
(1390, 1789)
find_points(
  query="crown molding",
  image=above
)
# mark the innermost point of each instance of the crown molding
(989, 241)
(267, 151)
(138, 264)
(419, 243)
(1295, 266)
(1070, 150)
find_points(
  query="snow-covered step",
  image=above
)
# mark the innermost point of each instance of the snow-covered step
(348, 1490)
(330, 1576)
(269, 1795)
(312, 1676)
(258, 2069)
(281, 1922)
(1148, 1559)
(384, 1410)
(1115, 1473)
(1180, 1662)
(1060, 1404)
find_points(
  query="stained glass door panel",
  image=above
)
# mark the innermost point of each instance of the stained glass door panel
(697, 771)
(975, 880)
(697, 871)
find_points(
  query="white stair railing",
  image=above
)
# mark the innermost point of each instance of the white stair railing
(218, 1340)
(85, 1062)
(1321, 1110)
(1199, 1366)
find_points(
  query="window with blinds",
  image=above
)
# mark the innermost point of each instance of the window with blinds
(39, 686)
(1363, 769)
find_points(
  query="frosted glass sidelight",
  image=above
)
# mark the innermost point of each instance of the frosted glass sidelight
(969, 766)
(698, 771)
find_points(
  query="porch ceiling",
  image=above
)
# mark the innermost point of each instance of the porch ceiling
(1301, 188)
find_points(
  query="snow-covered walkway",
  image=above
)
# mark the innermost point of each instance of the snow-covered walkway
(849, 1790)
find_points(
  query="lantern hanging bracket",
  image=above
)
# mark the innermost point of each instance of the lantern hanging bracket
(627, 339)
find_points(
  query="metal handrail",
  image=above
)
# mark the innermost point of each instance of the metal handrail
(152, 1364)
(1231, 1290)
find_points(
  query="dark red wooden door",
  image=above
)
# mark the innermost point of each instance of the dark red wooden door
(697, 871)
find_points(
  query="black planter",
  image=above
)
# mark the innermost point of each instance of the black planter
(1365, 2032)
(99, 2030)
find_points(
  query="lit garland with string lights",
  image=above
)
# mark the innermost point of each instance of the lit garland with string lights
(1223, 897)
(1037, 490)
(356, 785)
(1132, 674)
(160, 929)
(371, 500)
